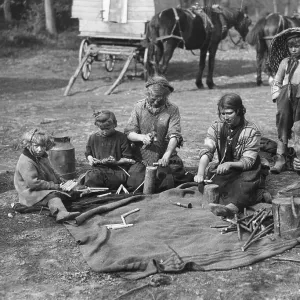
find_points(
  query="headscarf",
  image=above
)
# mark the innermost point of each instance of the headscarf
(159, 86)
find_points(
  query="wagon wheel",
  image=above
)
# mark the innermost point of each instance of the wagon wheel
(146, 73)
(109, 62)
(87, 67)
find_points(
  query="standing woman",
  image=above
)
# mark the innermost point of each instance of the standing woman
(285, 49)
(155, 132)
(36, 181)
(238, 170)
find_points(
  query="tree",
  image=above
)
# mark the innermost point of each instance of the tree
(275, 6)
(287, 8)
(7, 11)
(50, 17)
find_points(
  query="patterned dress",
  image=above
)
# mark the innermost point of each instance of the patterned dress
(165, 122)
(241, 144)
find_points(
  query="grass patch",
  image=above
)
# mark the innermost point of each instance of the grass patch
(14, 41)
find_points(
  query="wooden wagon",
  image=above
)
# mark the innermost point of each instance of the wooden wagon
(111, 29)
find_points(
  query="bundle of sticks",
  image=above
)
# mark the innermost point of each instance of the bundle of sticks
(68, 185)
(252, 223)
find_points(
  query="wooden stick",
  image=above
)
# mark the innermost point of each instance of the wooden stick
(254, 231)
(125, 190)
(138, 186)
(246, 217)
(286, 259)
(259, 235)
(124, 171)
(256, 215)
(219, 226)
(238, 227)
(74, 77)
(119, 189)
(103, 195)
(127, 214)
(111, 89)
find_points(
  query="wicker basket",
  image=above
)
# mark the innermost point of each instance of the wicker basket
(279, 49)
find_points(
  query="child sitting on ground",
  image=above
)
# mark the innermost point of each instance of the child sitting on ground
(108, 152)
(36, 181)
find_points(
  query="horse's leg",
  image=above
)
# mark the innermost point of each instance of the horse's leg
(169, 47)
(211, 64)
(159, 51)
(199, 83)
(260, 49)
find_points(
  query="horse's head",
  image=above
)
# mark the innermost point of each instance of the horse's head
(242, 23)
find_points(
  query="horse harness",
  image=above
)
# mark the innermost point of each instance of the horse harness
(199, 13)
(281, 22)
(171, 35)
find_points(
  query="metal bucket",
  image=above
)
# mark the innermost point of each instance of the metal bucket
(62, 157)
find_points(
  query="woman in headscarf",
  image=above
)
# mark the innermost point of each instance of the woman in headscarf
(238, 170)
(108, 152)
(155, 132)
(36, 181)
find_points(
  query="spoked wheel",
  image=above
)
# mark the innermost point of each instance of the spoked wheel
(87, 67)
(109, 62)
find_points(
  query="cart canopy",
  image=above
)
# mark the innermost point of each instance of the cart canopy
(117, 18)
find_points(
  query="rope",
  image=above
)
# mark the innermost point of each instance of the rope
(235, 43)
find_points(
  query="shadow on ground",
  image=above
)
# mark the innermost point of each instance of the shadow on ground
(180, 70)
(18, 85)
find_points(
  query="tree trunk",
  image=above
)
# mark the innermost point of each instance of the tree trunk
(50, 18)
(275, 6)
(7, 11)
(287, 8)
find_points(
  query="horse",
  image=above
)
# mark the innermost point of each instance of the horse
(261, 36)
(192, 29)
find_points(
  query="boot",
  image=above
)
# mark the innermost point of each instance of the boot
(58, 209)
(225, 211)
(280, 158)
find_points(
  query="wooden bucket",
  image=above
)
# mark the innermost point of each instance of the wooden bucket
(286, 214)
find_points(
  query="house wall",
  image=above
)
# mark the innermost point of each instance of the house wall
(93, 17)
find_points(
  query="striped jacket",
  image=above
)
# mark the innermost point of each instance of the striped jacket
(247, 146)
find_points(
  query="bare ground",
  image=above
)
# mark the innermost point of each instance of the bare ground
(39, 259)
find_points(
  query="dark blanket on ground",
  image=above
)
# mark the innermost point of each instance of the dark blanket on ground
(166, 237)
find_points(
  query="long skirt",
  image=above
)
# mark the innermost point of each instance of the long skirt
(238, 187)
(111, 177)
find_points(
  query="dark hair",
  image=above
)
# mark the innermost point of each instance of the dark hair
(105, 117)
(232, 101)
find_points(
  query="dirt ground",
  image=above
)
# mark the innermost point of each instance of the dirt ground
(39, 258)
